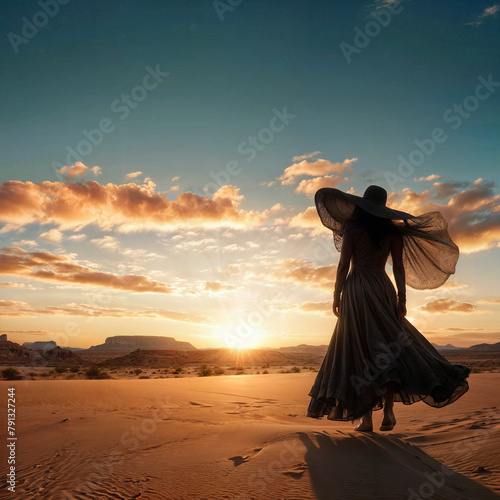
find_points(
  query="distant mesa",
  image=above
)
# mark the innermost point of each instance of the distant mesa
(447, 346)
(49, 344)
(132, 342)
(485, 347)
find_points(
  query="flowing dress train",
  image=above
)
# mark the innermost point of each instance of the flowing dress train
(372, 346)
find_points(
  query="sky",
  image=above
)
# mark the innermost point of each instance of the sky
(159, 162)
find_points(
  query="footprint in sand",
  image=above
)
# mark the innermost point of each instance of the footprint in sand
(296, 471)
(243, 407)
(481, 470)
(239, 459)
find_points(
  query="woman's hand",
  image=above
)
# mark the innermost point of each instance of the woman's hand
(401, 309)
(336, 306)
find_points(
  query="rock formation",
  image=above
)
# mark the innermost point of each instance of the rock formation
(133, 342)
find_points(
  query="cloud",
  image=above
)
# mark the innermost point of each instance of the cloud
(319, 167)
(302, 272)
(29, 332)
(27, 243)
(20, 309)
(241, 270)
(47, 266)
(126, 207)
(489, 301)
(448, 305)
(77, 237)
(323, 308)
(78, 169)
(453, 284)
(487, 13)
(12, 303)
(305, 156)
(109, 242)
(8, 284)
(53, 236)
(431, 177)
(308, 219)
(443, 190)
(310, 186)
(471, 210)
(133, 175)
(217, 286)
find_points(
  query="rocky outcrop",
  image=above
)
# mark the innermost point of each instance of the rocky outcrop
(49, 344)
(133, 342)
(13, 354)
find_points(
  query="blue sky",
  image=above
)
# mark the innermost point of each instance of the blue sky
(230, 70)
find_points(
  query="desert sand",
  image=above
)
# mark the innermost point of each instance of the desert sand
(244, 438)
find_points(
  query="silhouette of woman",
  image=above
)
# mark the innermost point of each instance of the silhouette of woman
(376, 356)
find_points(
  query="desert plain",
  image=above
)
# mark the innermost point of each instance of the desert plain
(243, 437)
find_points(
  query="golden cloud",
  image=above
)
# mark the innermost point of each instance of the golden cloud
(126, 207)
(303, 272)
(323, 308)
(310, 186)
(78, 169)
(471, 210)
(217, 286)
(448, 305)
(133, 175)
(20, 309)
(44, 265)
(319, 167)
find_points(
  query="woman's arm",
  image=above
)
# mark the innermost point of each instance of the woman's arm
(342, 270)
(399, 273)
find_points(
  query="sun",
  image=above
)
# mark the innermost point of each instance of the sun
(235, 337)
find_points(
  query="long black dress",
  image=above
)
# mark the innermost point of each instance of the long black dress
(372, 346)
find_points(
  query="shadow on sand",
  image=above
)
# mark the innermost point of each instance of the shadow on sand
(345, 466)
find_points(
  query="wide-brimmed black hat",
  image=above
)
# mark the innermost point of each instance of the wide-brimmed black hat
(429, 253)
(335, 206)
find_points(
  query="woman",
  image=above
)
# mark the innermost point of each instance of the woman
(376, 356)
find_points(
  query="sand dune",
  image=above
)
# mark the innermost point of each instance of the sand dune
(244, 438)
